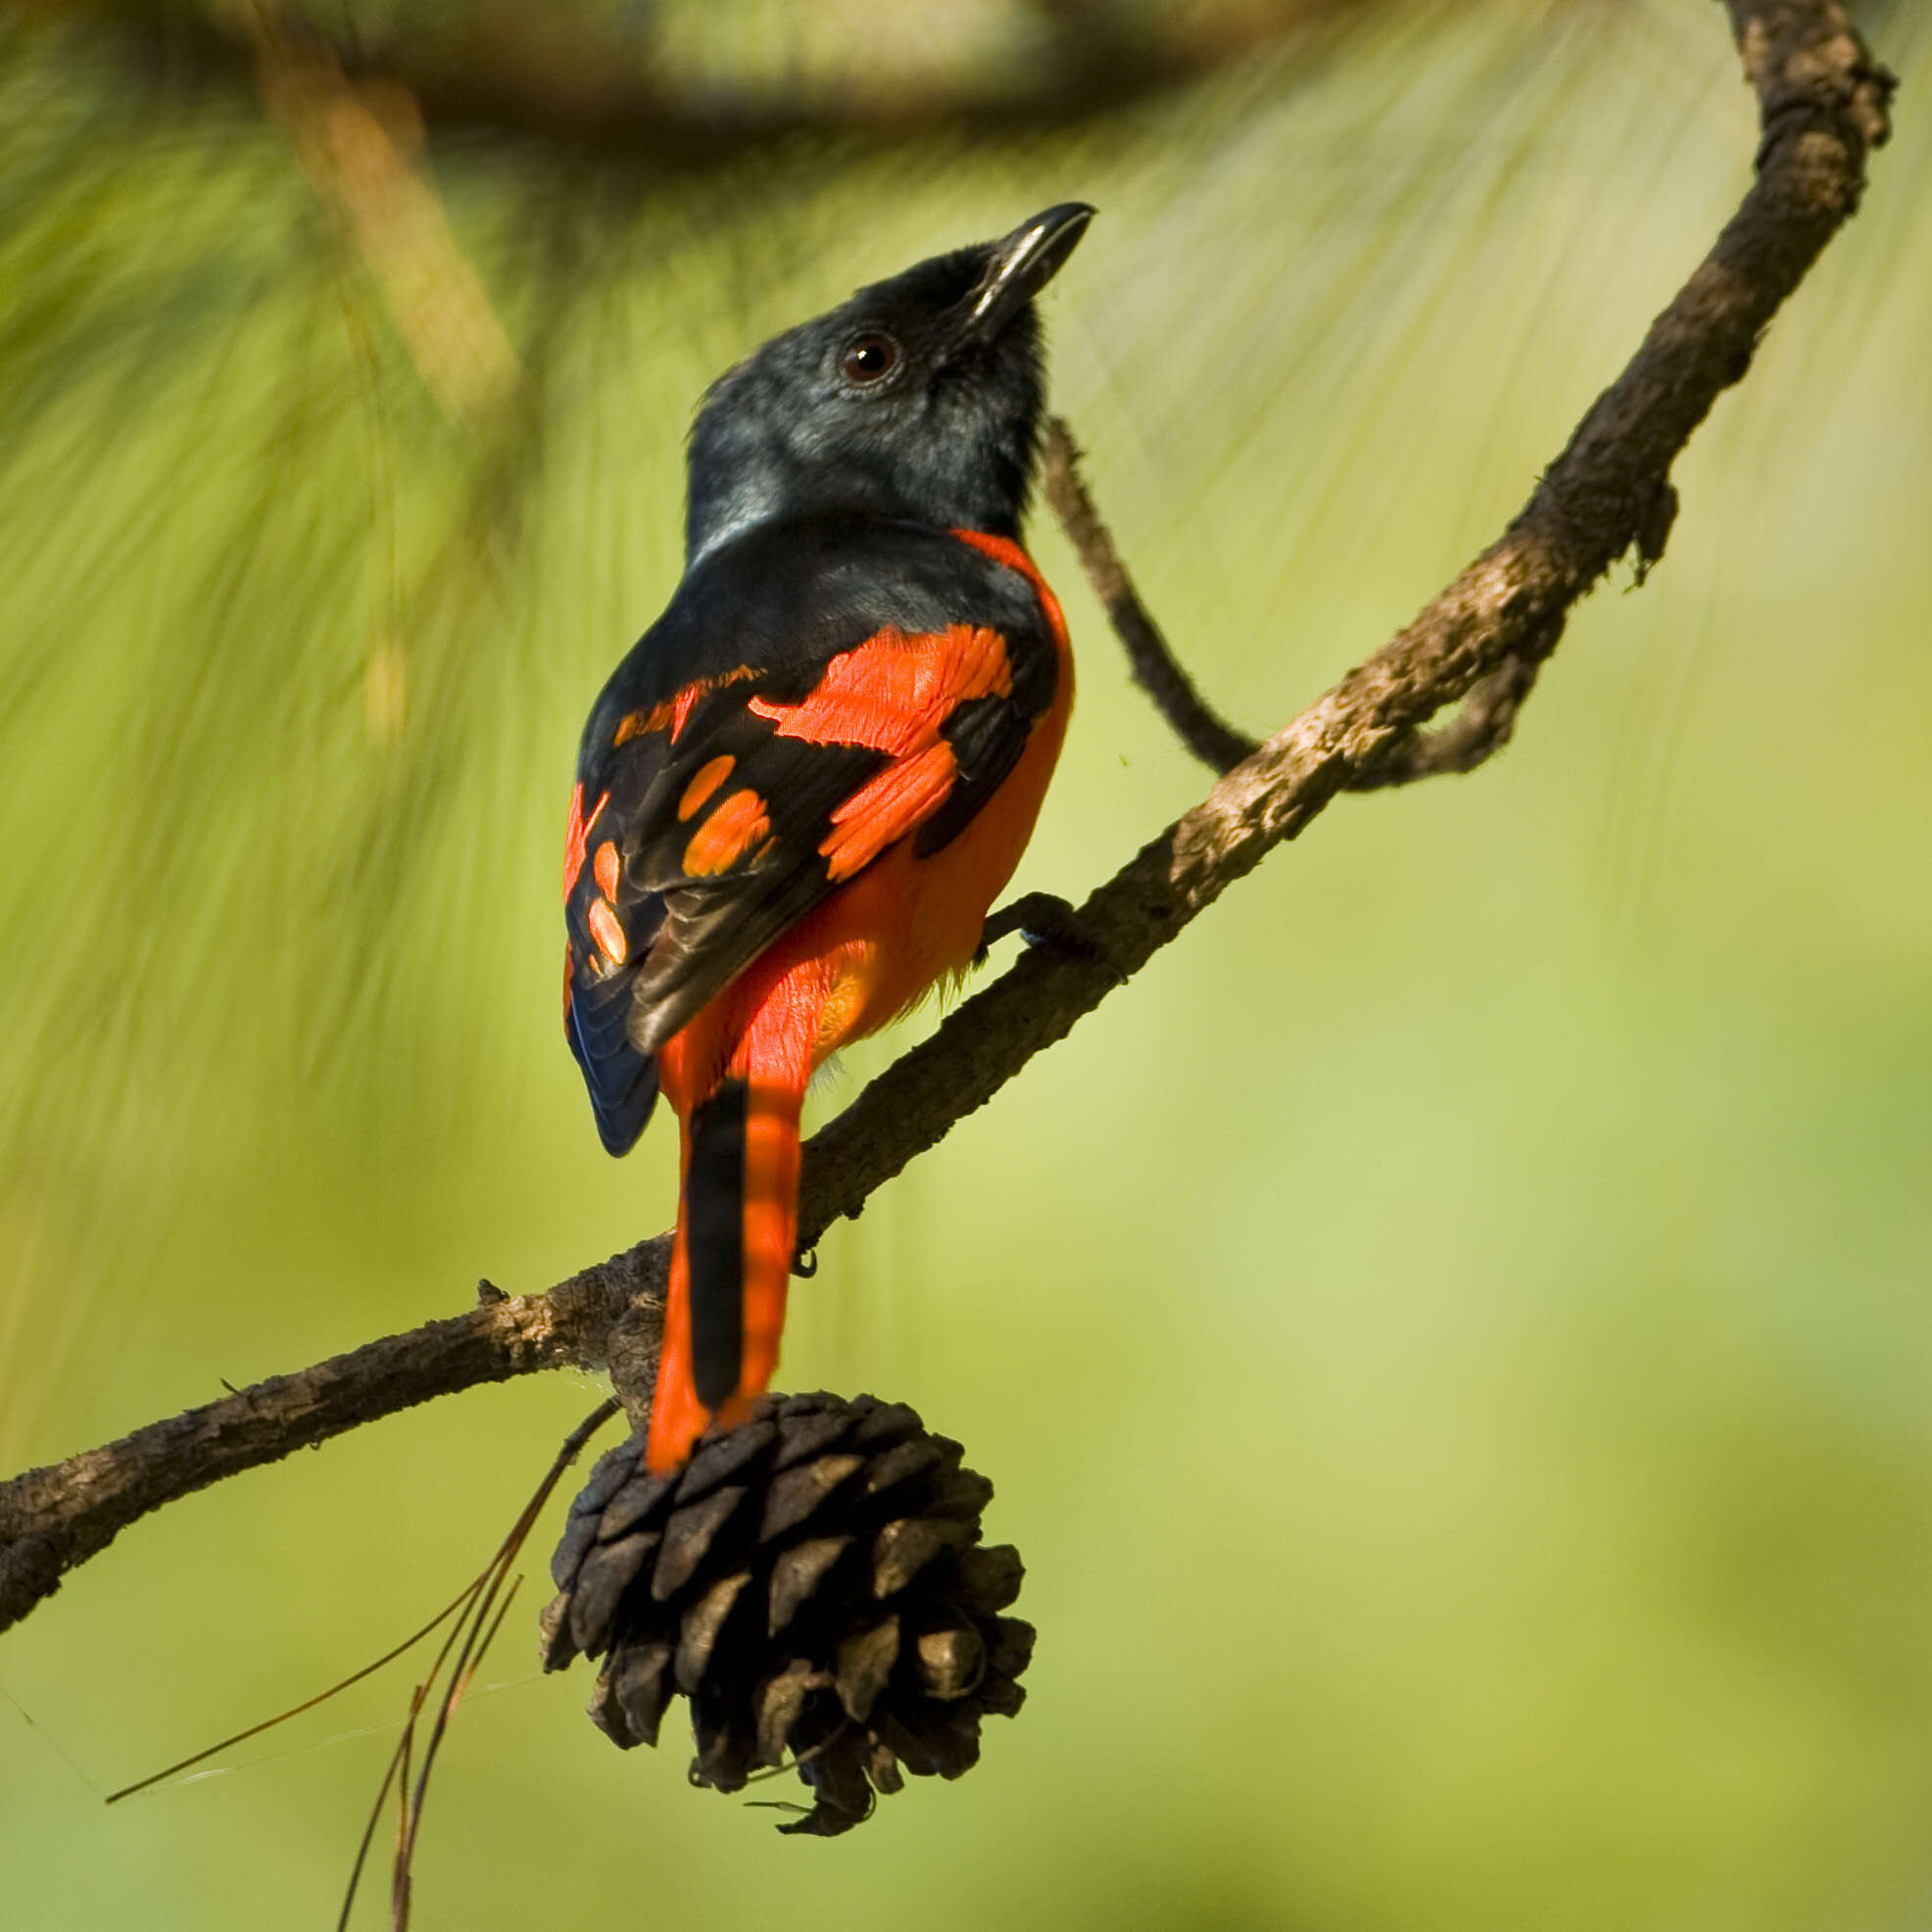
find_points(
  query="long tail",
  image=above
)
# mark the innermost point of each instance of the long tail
(737, 1228)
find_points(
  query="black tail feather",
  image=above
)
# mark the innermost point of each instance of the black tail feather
(714, 1238)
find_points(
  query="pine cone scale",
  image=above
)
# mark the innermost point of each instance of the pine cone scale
(605, 1573)
(799, 1493)
(687, 1539)
(950, 1661)
(865, 1662)
(903, 1549)
(797, 1574)
(698, 1633)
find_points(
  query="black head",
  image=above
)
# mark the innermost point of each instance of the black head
(919, 398)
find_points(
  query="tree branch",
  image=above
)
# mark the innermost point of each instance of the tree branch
(1481, 728)
(1823, 107)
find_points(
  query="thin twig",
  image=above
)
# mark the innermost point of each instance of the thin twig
(1479, 729)
(408, 1644)
(485, 1583)
(1155, 667)
(397, 1772)
(398, 1866)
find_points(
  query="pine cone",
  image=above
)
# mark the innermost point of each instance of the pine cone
(813, 1582)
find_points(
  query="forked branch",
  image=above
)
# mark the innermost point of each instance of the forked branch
(1824, 104)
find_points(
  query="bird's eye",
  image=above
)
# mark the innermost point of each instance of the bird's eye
(869, 359)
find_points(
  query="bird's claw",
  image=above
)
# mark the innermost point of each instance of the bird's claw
(1045, 919)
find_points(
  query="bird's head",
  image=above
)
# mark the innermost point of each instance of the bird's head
(920, 398)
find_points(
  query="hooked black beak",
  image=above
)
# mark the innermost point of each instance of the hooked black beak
(1021, 267)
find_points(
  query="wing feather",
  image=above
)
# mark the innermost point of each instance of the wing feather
(731, 806)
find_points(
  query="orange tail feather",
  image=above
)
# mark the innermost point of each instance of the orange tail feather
(677, 1417)
(737, 1226)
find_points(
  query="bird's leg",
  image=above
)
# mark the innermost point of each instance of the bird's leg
(1043, 919)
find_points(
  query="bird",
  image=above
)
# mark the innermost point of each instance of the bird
(798, 794)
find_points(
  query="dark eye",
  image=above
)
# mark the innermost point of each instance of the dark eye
(869, 359)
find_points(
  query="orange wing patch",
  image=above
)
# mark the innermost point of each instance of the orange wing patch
(894, 692)
(887, 807)
(735, 831)
(681, 707)
(607, 932)
(709, 778)
(672, 714)
(605, 865)
(577, 836)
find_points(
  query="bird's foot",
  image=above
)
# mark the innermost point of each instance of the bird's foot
(1045, 919)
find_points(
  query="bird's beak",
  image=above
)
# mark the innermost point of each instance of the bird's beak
(1021, 267)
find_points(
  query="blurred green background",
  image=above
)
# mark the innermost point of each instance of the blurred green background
(1451, 1336)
